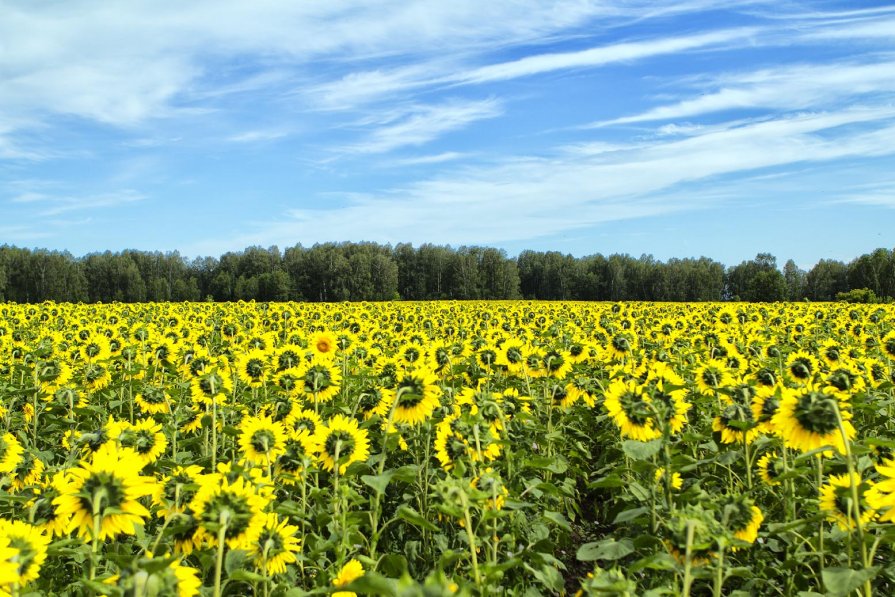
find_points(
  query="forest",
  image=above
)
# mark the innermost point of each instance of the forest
(332, 272)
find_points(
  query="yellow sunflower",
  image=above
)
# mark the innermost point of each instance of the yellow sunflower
(146, 439)
(881, 497)
(414, 398)
(341, 442)
(350, 572)
(274, 546)
(31, 542)
(631, 409)
(837, 504)
(806, 420)
(231, 505)
(261, 440)
(320, 381)
(102, 495)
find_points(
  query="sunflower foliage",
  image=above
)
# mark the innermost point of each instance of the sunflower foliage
(443, 448)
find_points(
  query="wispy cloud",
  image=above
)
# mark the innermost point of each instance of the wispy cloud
(534, 197)
(57, 204)
(794, 87)
(438, 158)
(421, 124)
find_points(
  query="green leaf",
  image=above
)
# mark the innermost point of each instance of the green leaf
(641, 450)
(559, 519)
(608, 482)
(608, 549)
(415, 518)
(839, 582)
(378, 482)
(629, 515)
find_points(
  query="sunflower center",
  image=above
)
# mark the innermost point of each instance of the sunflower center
(106, 485)
(410, 392)
(316, 379)
(26, 555)
(262, 441)
(635, 407)
(341, 442)
(254, 368)
(239, 513)
(816, 412)
(801, 368)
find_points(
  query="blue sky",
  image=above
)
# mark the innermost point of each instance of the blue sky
(676, 129)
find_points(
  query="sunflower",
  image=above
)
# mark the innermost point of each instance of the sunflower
(274, 546)
(765, 404)
(232, 505)
(736, 423)
(324, 345)
(515, 403)
(161, 576)
(96, 377)
(630, 407)
(801, 367)
(9, 568)
(836, 501)
(701, 527)
(287, 357)
(146, 439)
(253, 368)
(308, 420)
(807, 420)
(95, 349)
(667, 393)
(712, 376)
(153, 400)
(450, 445)
(261, 440)
(297, 452)
(676, 480)
(210, 387)
(349, 573)
(103, 495)
(881, 496)
(341, 442)
(288, 381)
(10, 453)
(45, 516)
(770, 467)
(52, 375)
(27, 473)
(741, 517)
(175, 490)
(320, 381)
(414, 398)
(31, 543)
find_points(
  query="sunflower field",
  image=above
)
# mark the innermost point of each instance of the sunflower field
(440, 448)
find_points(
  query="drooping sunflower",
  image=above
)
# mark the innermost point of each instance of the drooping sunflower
(31, 543)
(261, 440)
(629, 406)
(10, 453)
(801, 366)
(881, 496)
(253, 368)
(275, 545)
(297, 452)
(229, 504)
(676, 480)
(341, 442)
(153, 400)
(742, 517)
(146, 439)
(414, 398)
(770, 467)
(736, 423)
(807, 420)
(174, 491)
(712, 376)
(837, 504)
(320, 381)
(102, 495)
(350, 572)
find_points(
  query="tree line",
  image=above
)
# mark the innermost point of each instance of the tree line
(370, 271)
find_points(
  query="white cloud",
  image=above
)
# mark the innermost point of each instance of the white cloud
(533, 197)
(56, 204)
(795, 87)
(438, 158)
(422, 124)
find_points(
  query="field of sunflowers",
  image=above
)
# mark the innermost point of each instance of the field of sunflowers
(473, 448)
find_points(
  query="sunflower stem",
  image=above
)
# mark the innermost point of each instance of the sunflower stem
(470, 536)
(856, 502)
(820, 527)
(219, 560)
(688, 560)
